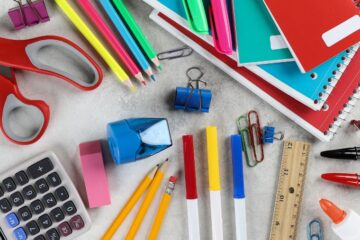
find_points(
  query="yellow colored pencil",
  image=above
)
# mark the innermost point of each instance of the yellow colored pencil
(95, 42)
(147, 201)
(164, 204)
(130, 204)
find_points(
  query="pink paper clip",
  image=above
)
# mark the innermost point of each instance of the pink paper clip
(34, 12)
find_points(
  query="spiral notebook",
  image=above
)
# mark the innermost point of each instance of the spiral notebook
(316, 30)
(322, 124)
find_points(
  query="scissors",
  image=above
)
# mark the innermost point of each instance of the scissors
(25, 55)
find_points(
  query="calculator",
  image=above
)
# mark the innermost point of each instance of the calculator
(39, 201)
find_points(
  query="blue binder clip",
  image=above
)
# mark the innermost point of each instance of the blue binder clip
(192, 98)
(137, 138)
(269, 135)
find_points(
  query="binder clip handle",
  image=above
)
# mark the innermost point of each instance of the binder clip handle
(269, 135)
(195, 78)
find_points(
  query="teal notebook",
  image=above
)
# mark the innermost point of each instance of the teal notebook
(258, 39)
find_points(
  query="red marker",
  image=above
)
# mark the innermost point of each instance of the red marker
(343, 178)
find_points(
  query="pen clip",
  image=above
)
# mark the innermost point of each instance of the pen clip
(197, 22)
(214, 32)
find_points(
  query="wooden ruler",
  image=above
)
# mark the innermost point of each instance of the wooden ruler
(289, 190)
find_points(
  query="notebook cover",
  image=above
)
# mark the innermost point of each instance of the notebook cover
(258, 39)
(322, 124)
(316, 30)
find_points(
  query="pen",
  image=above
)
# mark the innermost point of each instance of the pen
(343, 178)
(111, 39)
(239, 188)
(214, 183)
(196, 16)
(344, 153)
(191, 189)
(220, 25)
(137, 32)
(95, 42)
(126, 35)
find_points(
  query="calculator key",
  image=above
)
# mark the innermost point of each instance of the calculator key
(45, 221)
(49, 200)
(69, 208)
(37, 207)
(20, 234)
(32, 228)
(21, 178)
(65, 229)
(62, 193)
(40, 237)
(41, 186)
(29, 192)
(25, 213)
(12, 220)
(54, 179)
(1, 192)
(52, 234)
(77, 222)
(5, 205)
(40, 168)
(57, 214)
(9, 184)
(16, 199)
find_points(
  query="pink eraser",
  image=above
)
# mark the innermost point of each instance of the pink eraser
(96, 183)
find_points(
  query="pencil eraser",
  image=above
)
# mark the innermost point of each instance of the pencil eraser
(95, 179)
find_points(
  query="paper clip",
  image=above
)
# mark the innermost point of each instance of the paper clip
(256, 136)
(193, 98)
(175, 53)
(315, 231)
(356, 123)
(242, 124)
(269, 135)
(28, 14)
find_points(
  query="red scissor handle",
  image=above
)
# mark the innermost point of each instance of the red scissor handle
(12, 100)
(24, 55)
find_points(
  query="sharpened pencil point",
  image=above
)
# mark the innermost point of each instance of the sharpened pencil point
(153, 77)
(160, 68)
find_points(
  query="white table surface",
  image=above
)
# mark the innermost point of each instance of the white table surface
(82, 116)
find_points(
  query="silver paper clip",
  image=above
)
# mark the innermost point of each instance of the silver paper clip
(175, 53)
(315, 231)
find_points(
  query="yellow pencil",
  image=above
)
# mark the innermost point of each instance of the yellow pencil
(164, 204)
(95, 42)
(147, 201)
(130, 204)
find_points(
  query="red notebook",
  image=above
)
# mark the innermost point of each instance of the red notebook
(316, 30)
(322, 124)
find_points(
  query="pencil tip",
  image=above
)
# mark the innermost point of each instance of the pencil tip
(160, 68)
(153, 77)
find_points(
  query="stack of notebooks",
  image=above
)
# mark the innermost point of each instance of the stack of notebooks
(302, 59)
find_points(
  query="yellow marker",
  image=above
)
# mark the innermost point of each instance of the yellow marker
(147, 201)
(130, 204)
(214, 183)
(164, 204)
(95, 42)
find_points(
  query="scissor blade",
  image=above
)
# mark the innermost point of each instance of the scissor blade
(5, 72)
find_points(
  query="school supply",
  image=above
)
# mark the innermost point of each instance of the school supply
(140, 190)
(144, 207)
(313, 33)
(137, 32)
(163, 206)
(95, 42)
(345, 224)
(315, 230)
(239, 188)
(343, 178)
(94, 174)
(29, 14)
(355, 123)
(191, 189)
(137, 138)
(290, 189)
(269, 135)
(214, 183)
(196, 16)
(111, 39)
(344, 153)
(127, 37)
(25, 55)
(175, 53)
(322, 124)
(192, 98)
(39, 200)
(258, 39)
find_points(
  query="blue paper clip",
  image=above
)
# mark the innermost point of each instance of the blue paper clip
(192, 98)
(315, 231)
(269, 135)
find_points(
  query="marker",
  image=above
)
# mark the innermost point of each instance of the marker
(343, 178)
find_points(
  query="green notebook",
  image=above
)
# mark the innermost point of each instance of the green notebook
(258, 39)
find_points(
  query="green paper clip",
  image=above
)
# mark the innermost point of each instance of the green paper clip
(242, 124)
